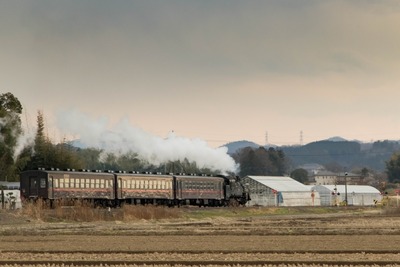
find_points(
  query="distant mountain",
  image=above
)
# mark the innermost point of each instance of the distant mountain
(77, 143)
(335, 150)
(340, 139)
(336, 139)
(233, 147)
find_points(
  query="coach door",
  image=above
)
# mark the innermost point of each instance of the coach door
(34, 184)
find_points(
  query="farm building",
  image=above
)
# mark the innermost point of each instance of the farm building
(357, 195)
(279, 191)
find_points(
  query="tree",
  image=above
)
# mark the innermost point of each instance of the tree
(260, 161)
(364, 172)
(47, 155)
(333, 166)
(10, 131)
(393, 168)
(300, 175)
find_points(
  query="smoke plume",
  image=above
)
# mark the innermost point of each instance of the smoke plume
(122, 138)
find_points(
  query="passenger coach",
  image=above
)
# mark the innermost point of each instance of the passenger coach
(59, 185)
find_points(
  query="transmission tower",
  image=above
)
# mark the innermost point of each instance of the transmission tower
(301, 137)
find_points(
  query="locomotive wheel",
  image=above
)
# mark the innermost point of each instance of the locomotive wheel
(233, 202)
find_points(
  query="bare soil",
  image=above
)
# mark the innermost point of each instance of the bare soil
(347, 238)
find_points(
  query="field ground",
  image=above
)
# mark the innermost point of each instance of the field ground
(340, 236)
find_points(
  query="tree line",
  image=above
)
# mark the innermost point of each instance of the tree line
(41, 152)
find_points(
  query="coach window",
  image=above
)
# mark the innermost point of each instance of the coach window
(66, 182)
(101, 183)
(87, 183)
(92, 183)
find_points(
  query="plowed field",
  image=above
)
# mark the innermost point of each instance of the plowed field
(339, 239)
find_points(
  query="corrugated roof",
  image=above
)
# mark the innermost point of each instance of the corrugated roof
(281, 183)
(351, 188)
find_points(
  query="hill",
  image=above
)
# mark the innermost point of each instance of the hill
(349, 154)
(234, 147)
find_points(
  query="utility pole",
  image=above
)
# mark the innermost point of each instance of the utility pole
(345, 188)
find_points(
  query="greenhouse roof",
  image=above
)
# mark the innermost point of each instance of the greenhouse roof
(281, 183)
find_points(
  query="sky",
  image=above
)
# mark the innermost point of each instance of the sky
(281, 72)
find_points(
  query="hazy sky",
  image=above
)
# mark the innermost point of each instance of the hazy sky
(221, 71)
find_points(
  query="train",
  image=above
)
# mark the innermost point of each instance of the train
(115, 188)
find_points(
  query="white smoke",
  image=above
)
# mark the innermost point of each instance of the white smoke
(123, 138)
(23, 139)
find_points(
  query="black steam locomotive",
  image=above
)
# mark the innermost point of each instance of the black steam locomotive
(116, 188)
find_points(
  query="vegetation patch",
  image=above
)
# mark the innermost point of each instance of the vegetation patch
(81, 211)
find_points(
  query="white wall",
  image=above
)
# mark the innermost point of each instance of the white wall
(286, 199)
(17, 199)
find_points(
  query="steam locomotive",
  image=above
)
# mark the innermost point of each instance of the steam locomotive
(112, 189)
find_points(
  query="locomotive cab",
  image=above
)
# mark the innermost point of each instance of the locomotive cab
(236, 193)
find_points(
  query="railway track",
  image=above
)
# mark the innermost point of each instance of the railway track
(190, 258)
(202, 263)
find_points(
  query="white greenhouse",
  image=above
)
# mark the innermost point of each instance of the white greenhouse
(279, 191)
(357, 195)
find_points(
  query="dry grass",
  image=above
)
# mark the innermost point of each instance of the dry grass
(82, 211)
(149, 212)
